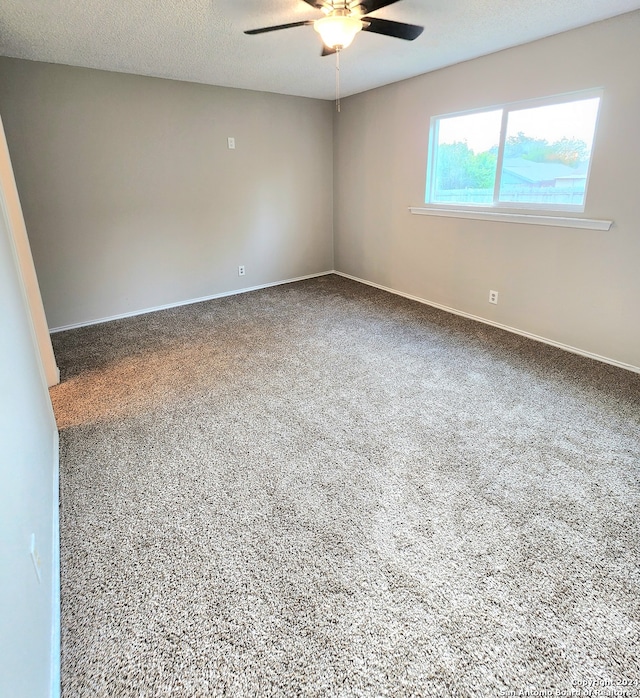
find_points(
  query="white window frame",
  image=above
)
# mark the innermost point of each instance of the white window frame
(498, 205)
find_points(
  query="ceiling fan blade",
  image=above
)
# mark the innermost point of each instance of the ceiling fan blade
(263, 30)
(327, 51)
(373, 5)
(399, 30)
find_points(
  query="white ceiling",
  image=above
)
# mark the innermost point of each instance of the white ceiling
(203, 41)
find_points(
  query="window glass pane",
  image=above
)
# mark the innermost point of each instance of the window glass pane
(546, 153)
(464, 168)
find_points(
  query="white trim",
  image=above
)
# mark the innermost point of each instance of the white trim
(144, 311)
(554, 221)
(454, 311)
(55, 573)
(514, 330)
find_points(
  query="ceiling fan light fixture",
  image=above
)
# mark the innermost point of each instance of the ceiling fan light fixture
(338, 31)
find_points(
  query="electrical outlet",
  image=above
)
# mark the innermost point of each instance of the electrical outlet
(35, 557)
(241, 270)
(231, 143)
(493, 297)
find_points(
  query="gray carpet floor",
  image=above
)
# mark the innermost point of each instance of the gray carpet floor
(321, 489)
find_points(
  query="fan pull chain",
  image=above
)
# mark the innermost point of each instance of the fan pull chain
(338, 80)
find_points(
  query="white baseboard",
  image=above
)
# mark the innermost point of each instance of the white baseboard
(515, 330)
(462, 313)
(144, 311)
(55, 573)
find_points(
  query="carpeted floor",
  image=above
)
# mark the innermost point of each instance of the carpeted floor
(321, 489)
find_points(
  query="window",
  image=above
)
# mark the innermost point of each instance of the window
(530, 155)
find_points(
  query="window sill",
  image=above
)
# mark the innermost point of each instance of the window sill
(504, 217)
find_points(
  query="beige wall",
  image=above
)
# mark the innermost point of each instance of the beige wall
(577, 287)
(132, 199)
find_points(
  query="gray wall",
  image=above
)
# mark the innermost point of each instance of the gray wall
(28, 476)
(132, 199)
(577, 287)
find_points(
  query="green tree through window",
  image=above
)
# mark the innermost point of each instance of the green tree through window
(460, 168)
(567, 151)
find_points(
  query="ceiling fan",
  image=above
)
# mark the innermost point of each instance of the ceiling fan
(344, 19)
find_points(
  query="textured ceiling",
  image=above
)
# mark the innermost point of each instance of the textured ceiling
(203, 40)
